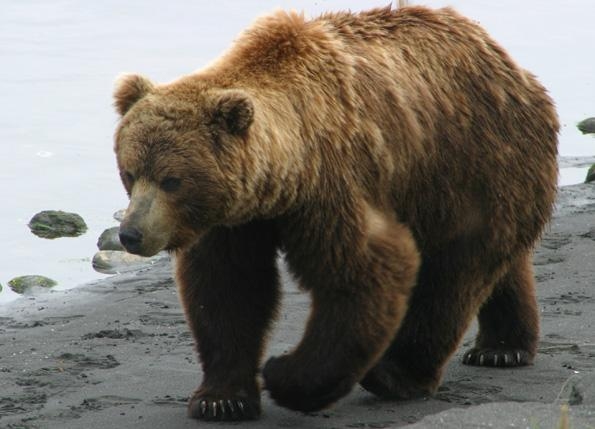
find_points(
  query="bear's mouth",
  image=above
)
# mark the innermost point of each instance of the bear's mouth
(146, 228)
(138, 241)
(186, 240)
(140, 249)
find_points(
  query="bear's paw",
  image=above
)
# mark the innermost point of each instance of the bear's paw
(388, 380)
(298, 386)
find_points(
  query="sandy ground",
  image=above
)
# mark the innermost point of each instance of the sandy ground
(118, 354)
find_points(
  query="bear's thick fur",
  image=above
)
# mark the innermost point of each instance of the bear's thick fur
(401, 160)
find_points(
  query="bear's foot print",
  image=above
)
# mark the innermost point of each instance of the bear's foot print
(497, 357)
(212, 409)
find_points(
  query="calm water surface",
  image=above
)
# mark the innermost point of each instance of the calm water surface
(58, 61)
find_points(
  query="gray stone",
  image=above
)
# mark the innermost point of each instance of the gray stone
(578, 389)
(55, 223)
(590, 174)
(587, 126)
(25, 284)
(109, 240)
(114, 261)
(119, 215)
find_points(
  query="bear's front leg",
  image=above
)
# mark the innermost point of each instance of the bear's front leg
(359, 291)
(228, 285)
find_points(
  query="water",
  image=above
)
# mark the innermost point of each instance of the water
(59, 59)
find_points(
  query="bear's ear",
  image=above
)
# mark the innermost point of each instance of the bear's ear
(129, 89)
(234, 111)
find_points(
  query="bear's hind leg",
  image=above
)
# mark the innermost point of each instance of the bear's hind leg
(508, 321)
(452, 284)
(228, 285)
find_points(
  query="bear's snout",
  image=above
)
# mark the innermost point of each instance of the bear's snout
(131, 239)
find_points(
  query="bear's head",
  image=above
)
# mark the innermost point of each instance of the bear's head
(179, 152)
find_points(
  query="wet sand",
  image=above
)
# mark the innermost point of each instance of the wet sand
(117, 354)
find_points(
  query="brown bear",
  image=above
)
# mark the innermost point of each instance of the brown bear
(400, 159)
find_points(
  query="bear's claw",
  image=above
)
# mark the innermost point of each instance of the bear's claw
(212, 409)
(497, 357)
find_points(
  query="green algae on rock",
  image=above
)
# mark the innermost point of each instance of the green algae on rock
(56, 223)
(24, 284)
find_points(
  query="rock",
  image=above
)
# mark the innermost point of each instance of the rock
(119, 215)
(113, 261)
(109, 240)
(24, 284)
(0, 287)
(590, 174)
(578, 389)
(587, 126)
(54, 224)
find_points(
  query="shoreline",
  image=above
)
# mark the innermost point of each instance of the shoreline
(573, 171)
(117, 353)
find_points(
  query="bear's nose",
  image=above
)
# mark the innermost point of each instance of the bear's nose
(131, 239)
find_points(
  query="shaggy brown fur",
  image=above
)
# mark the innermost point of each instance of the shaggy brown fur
(401, 159)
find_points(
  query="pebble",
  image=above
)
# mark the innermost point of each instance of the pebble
(25, 284)
(56, 223)
(119, 215)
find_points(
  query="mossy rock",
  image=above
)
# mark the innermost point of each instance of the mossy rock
(587, 126)
(590, 174)
(24, 284)
(56, 223)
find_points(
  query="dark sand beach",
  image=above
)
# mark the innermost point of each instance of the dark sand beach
(117, 354)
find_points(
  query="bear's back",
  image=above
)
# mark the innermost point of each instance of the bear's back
(471, 131)
(404, 103)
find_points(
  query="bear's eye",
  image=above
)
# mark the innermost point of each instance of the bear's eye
(128, 177)
(170, 184)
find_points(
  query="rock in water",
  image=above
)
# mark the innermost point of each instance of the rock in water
(110, 240)
(119, 215)
(590, 174)
(24, 284)
(113, 261)
(54, 224)
(587, 126)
